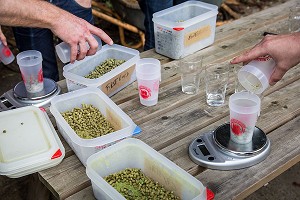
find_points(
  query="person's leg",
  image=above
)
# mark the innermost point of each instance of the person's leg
(148, 8)
(40, 40)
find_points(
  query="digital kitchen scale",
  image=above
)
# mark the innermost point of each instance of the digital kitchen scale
(215, 150)
(18, 96)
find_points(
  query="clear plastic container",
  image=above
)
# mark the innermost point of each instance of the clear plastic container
(184, 29)
(63, 50)
(28, 142)
(83, 148)
(133, 153)
(111, 82)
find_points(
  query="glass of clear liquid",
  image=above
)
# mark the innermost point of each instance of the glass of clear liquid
(216, 81)
(190, 75)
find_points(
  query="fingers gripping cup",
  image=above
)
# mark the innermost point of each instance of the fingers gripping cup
(244, 111)
(255, 76)
(148, 74)
(30, 63)
(6, 56)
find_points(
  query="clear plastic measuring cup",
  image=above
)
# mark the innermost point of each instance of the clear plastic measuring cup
(244, 111)
(6, 56)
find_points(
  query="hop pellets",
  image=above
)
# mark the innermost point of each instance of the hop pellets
(88, 122)
(104, 67)
(133, 185)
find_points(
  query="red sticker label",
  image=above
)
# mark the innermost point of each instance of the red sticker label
(237, 127)
(145, 92)
(40, 76)
(6, 52)
(57, 154)
(178, 28)
(263, 58)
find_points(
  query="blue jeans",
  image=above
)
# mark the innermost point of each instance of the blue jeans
(42, 39)
(149, 7)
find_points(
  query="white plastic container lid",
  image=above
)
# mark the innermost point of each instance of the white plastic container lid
(28, 142)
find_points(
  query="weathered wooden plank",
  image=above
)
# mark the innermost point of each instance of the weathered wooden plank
(66, 179)
(85, 194)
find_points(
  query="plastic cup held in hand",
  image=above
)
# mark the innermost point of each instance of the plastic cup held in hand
(6, 56)
(255, 76)
(244, 111)
(30, 63)
(148, 74)
(63, 50)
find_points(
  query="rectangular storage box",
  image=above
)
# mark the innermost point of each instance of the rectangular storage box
(184, 29)
(133, 153)
(28, 142)
(111, 82)
(83, 148)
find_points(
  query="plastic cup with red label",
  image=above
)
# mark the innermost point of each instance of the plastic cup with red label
(255, 76)
(6, 56)
(244, 111)
(30, 64)
(148, 74)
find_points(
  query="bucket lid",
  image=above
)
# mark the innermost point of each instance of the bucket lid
(27, 141)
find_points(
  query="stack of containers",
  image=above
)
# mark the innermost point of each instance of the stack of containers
(133, 153)
(184, 29)
(28, 142)
(83, 148)
(111, 82)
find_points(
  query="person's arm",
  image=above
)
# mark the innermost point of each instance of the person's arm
(69, 28)
(2, 38)
(284, 49)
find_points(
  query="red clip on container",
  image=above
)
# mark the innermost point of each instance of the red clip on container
(6, 56)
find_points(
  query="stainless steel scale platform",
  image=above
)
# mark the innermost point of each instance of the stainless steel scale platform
(18, 96)
(215, 150)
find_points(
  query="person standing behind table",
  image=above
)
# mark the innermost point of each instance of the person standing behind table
(52, 17)
(284, 49)
(149, 7)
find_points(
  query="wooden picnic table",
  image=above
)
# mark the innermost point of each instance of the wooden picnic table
(177, 119)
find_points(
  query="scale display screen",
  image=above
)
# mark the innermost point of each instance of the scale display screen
(203, 150)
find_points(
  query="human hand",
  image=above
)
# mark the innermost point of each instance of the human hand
(2, 37)
(77, 32)
(284, 49)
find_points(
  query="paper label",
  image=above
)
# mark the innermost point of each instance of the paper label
(115, 121)
(197, 35)
(117, 81)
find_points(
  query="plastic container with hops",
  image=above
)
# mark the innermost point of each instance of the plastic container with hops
(28, 142)
(123, 125)
(255, 76)
(133, 153)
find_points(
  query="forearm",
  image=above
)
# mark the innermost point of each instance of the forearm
(29, 13)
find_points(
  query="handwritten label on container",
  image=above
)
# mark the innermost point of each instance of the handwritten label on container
(117, 81)
(197, 35)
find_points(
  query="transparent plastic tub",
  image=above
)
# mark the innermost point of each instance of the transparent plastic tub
(83, 148)
(184, 29)
(133, 153)
(111, 82)
(28, 142)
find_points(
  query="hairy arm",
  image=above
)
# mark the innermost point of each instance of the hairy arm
(69, 28)
(284, 49)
